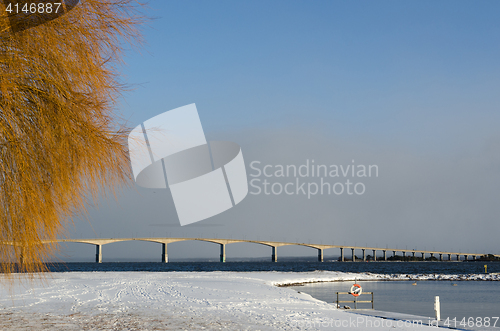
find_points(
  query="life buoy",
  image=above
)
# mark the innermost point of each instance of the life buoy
(356, 290)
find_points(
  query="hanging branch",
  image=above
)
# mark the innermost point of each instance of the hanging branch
(60, 139)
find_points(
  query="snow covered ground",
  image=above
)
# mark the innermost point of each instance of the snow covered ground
(184, 301)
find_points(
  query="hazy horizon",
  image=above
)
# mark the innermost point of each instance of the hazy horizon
(408, 86)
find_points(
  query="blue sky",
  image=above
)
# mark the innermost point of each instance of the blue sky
(383, 68)
(409, 85)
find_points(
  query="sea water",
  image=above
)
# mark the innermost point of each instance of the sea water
(411, 268)
(459, 302)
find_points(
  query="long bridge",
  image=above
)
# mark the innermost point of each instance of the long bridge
(99, 242)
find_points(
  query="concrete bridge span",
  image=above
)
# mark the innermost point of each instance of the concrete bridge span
(99, 242)
(165, 241)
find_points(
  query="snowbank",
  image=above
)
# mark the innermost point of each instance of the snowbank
(181, 300)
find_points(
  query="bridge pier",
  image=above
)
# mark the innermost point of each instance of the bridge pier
(164, 254)
(222, 253)
(423, 256)
(374, 255)
(404, 255)
(353, 255)
(458, 257)
(342, 254)
(385, 255)
(465, 257)
(320, 255)
(413, 254)
(364, 255)
(449, 257)
(440, 257)
(394, 254)
(274, 257)
(98, 253)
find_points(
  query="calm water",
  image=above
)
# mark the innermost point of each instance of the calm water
(467, 299)
(294, 266)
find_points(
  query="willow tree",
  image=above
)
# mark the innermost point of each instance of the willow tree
(61, 140)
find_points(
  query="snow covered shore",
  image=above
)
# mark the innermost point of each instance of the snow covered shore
(184, 301)
(325, 276)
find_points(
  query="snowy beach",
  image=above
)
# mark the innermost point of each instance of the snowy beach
(184, 300)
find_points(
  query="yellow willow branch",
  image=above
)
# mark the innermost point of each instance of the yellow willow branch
(60, 139)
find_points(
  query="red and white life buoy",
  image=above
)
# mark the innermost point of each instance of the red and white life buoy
(356, 290)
